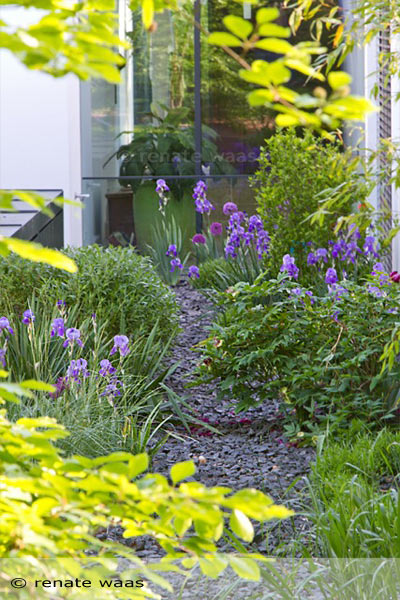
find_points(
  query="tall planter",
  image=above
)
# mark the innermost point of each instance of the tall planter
(146, 215)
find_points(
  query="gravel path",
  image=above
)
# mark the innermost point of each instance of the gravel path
(249, 450)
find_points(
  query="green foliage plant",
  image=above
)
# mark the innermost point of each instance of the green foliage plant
(293, 172)
(52, 507)
(117, 284)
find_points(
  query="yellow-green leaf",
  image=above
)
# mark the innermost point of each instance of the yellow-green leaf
(287, 120)
(264, 15)
(274, 45)
(272, 30)
(245, 568)
(182, 470)
(32, 384)
(147, 12)
(238, 26)
(241, 525)
(338, 79)
(38, 253)
(220, 38)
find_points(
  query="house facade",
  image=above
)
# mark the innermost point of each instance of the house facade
(61, 134)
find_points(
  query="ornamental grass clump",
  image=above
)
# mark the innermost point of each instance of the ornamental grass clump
(99, 382)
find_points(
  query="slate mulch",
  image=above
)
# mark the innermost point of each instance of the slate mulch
(249, 450)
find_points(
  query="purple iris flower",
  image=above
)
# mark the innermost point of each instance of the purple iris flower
(3, 357)
(161, 189)
(172, 250)
(121, 343)
(175, 264)
(77, 369)
(199, 238)
(57, 327)
(338, 248)
(73, 336)
(255, 223)
(322, 254)
(288, 265)
(113, 388)
(5, 324)
(106, 368)
(203, 205)
(312, 259)
(216, 228)
(262, 243)
(28, 317)
(230, 251)
(351, 252)
(229, 208)
(60, 303)
(371, 246)
(331, 276)
(161, 186)
(194, 271)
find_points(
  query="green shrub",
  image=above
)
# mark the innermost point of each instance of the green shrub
(117, 284)
(293, 172)
(51, 508)
(321, 356)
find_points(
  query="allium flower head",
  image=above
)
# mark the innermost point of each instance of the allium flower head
(288, 265)
(5, 324)
(57, 327)
(229, 208)
(331, 276)
(216, 228)
(199, 238)
(28, 317)
(194, 271)
(172, 250)
(121, 343)
(73, 337)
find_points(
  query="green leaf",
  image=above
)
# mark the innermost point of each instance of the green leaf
(338, 79)
(182, 470)
(213, 566)
(245, 568)
(241, 525)
(37, 253)
(264, 15)
(220, 38)
(238, 26)
(274, 45)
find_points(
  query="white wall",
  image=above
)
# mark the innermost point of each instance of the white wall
(40, 134)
